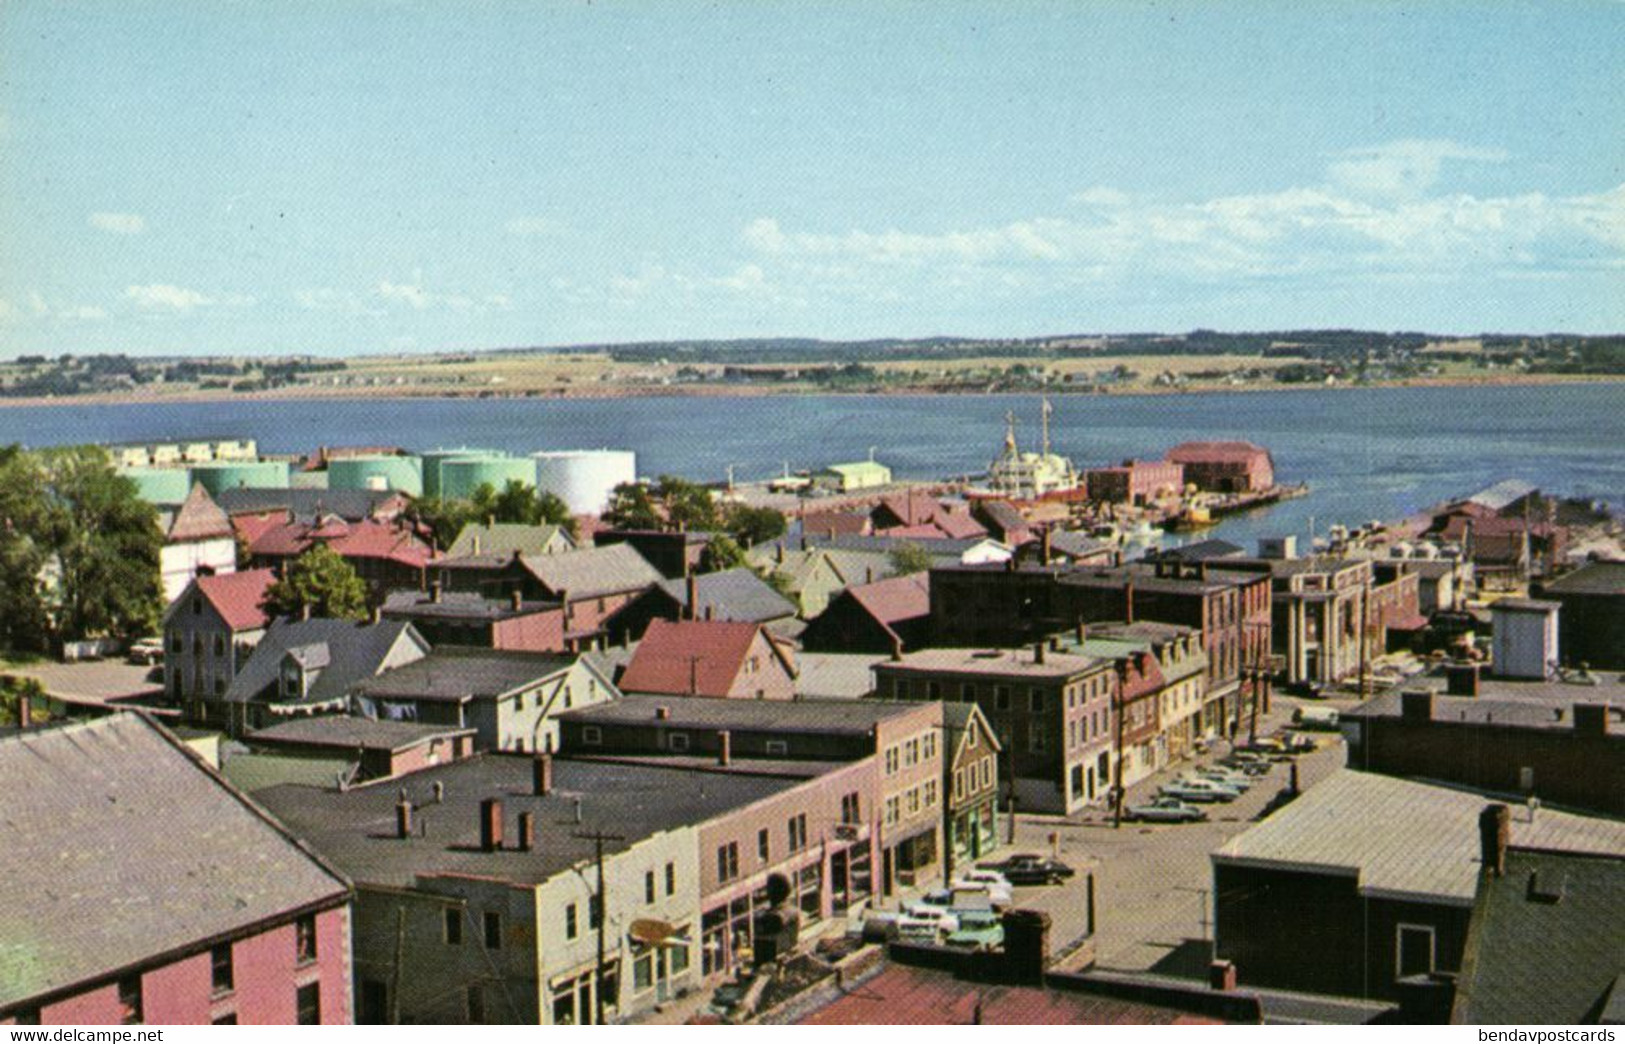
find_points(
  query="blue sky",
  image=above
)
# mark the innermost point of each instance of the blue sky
(358, 176)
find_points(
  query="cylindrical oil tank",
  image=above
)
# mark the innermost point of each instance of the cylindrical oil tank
(584, 479)
(460, 478)
(160, 485)
(393, 473)
(433, 459)
(248, 474)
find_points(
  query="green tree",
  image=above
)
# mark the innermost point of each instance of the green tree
(24, 550)
(523, 504)
(107, 545)
(688, 505)
(443, 519)
(907, 558)
(722, 553)
(751, 526)
(631, 506)
(11, 691)
(322, 581)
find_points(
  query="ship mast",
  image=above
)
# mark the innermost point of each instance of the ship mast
(1043, 413)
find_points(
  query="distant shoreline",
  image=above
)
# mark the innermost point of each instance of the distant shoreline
(716, 390)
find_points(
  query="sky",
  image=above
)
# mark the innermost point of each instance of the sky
(362, 176)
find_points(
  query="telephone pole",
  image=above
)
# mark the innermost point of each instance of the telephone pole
(598, 837)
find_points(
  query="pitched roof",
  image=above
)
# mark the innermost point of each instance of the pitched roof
(1074, 543)
(350, 733)
(695, 657)
(846, 676)
(837, 522)
(114, 822)
(458, 605)
(365, 539)
(1547, 941)
(199, 518)
(456, 674)
(238, 597)
(896, 599)
(593, 572)
(1204, 550)
(1402, 839)
(1605, 577)
(352, 505)
(352, 652)
(508, 538)
(1503, 493)
(732, 594)
(1214, 452)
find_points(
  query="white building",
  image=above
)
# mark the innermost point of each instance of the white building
(198, 541)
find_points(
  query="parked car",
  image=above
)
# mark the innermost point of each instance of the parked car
(1202, 790)
(995, 884)
(959, 898)
(147, 651)
(1248, 763)
(1029, 869)
(922, 922)
(1166, 810)
(978, 931)
(1235, 780)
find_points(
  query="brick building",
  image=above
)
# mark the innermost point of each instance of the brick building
(174, 913)
(1591, 626)
(1224, 467)
(382, 749)
(1136, 481)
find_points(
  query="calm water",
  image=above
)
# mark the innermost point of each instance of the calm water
(1371, 453)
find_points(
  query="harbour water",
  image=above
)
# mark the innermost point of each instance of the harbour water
(1366, 453)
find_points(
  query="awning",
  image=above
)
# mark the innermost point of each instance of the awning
(655, 933)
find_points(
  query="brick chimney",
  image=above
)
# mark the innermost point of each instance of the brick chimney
(1083, 632)
(541, 774)
(1461, 679)
(1494, 834)
(1128, 601)
(1026, 946)
(1591, 719)
(516, 599)
(1221, 975)
(691, 585)
(527, 831)
(436, 589)
(1038, 653)
(403, 819)
(662, 713)
(1416, 705)
(1047, 547)
(725, 753)
(491, 824)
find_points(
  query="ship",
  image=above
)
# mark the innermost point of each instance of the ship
(1029, 476)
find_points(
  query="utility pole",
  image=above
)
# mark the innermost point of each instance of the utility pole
(598, 837)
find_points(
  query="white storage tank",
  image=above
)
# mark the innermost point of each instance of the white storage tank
(584, 479)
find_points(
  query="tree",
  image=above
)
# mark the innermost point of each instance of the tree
(688, 506)
(632, 507)
(751, 526)
(11, 692)
(721, 553)
(24, 550)
(322, 581)
(907, 558)
(107, 544)
(443, 519)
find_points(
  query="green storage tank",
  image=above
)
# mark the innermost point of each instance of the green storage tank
(160, 485)
(460, 478)
(248, 474)
(394, 473)
(433, 460)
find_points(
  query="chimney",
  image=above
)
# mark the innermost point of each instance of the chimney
(896, 649)
(516, 599)
(1038, 653)
(541, 774)
(476, 544)
(1026, 946)
(1461, 679)
(403, 819)
(1416, 705)
(377, 614)
(1221, 976)
(1201, 570)
(25, 709)
(868, 574)
(527, 831)
(725, 753)
(692, 586)
(435, 591)
(1083, 633)
(1591, 719)
(662, 713)
(1128, 601)
(778, 555)
(490, 824)
(1494, 834)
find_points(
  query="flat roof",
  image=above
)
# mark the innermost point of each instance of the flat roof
(1402, 839)
(356, 828)
(1007, 662)
(343, 730)
(700, 712)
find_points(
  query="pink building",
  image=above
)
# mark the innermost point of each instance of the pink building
(154, 892)
(723, 659)
(1225, 467)
(1135, 481)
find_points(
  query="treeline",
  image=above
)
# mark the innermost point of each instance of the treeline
(79, 551)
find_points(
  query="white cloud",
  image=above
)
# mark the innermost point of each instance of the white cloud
(159, 297)
(745, 279)
(118, 224)
(1101, 196)
(1403, 169)
(405, 293)
(84, 312)
(531, 225)
(419, 298)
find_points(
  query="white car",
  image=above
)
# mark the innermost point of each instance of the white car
(992, 882)
(923, 922)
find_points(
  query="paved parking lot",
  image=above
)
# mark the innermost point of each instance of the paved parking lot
(1152, 900)
(90, 681)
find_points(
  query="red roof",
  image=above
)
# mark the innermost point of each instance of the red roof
(693, 657)
(841, 523)
(366, 539)
(1210, 452)
(251, 527)
(239, 597)
(906, 996)
(899, 598)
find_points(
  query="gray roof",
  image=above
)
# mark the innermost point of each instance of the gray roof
(827, 716)
(1477, 710)
(344, 731)
(1547, 941)
(458, 605)
(346, 651)
(251, 772)
(121, 845)
(1503, 493)
(733, 594)
(887, 544)
(1204, 550)
(847, 676)
(352, 505)
(1075, 543)
(593, 572)
(456, 674)
(507, 538)
(355, 828)
(1401, 839)
(1607, 578)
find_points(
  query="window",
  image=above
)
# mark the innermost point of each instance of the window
(777, 747)
(493, 930)
(476, 1003)
(571, 926)
(177, 643)
(851, 809)
(219, 685)
(933, 690)
(643, 970)
(891, 760)
(1035, 700)
(592, 735)
(129, 999)
(796, 829)
(197, 607)
(967, 693)
(959, 784)
(894, 810)
(913, 802)
(728, 862)
(452, 926)
(1001, 697)
(928, 746)
(971, 738)
(1414, 947)
(671, 878)
(220, 645)
(930, 793)
(309, 1003)
(1035, 736)
(911, 752)
(678, 741)
(220, 970)
(304, 939)
(764, 846)
(649, 887)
